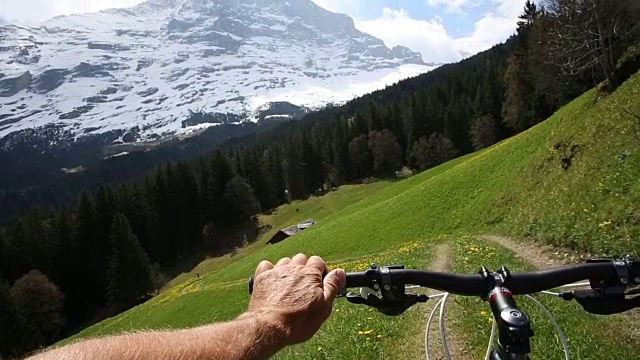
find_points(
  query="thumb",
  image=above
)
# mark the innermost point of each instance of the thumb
(333, 282)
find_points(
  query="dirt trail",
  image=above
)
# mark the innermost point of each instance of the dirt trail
(413, 345)
(442, 261)
(539, 257)
(542, 258)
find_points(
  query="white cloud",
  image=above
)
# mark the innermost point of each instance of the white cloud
(494, 27)
(396, 27)
(41, 10)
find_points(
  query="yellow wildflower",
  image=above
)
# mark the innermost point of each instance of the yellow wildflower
(368, 332)
(379, 336)
(483, 313)
(605, 223)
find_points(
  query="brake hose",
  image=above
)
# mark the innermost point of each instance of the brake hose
(447, 352)
(428, 328)
(494, 327)
(443, 333)
(563, 339)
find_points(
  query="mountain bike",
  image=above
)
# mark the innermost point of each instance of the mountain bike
(611, 283)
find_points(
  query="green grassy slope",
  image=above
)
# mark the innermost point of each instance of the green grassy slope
(516, 187)
(317, 207)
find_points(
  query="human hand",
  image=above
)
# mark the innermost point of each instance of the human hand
(294, 295)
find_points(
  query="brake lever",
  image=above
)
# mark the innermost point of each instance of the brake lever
(386, 306)
(595, 303)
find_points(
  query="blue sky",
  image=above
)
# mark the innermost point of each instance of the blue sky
(442, 30)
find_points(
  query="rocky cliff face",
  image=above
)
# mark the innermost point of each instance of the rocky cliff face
(148, 67)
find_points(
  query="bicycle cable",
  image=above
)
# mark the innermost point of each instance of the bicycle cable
(428, 328)
(443, 333)
(563, 339)
(492, 337)
(441, 305)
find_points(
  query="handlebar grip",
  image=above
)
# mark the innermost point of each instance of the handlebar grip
(251, 285)
(357, 279)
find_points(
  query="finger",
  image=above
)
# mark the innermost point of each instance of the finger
(283, 261)
(318, 263)
(263, 266)
(332, 283)
(300, 259)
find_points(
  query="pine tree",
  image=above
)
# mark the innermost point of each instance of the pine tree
(386, 153)
(3, 253)
(360, 125)
(266, 168)
(360, 157)
(67, 262)
(517, 109)
(206, 191)
(163, 222)
(20, 255)
(340, 149)
(106, 207)
(435, 150)
(221, 173)
(188, 194)
(374, 119)
(395, 124)
(483, 132)
(296, 168)
(527, 19)
(239, 200)
(89, 273)
(277, 169)
(129, 269)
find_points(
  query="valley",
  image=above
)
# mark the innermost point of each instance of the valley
(153, 155)
(456, 204)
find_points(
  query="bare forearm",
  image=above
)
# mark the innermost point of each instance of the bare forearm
(248, 337)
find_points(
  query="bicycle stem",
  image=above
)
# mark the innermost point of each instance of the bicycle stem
(514, 326)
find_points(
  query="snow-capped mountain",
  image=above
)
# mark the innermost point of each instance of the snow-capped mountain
(150, 67)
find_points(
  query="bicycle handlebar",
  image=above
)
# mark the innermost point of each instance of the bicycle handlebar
(517, 283)
(608, 278)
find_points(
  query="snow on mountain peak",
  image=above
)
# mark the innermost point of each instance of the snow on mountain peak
(149, 67)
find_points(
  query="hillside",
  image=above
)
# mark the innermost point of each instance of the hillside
(517, 187)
